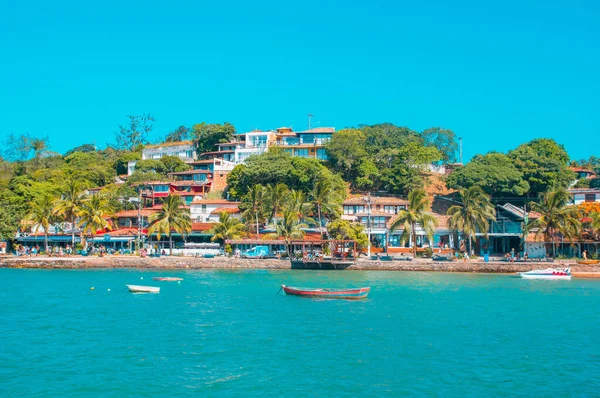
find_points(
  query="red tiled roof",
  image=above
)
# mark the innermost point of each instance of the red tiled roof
(202, 226)
(184, 183)
(230, 210)
(187, 172)
(215, 202)
(126, 232)
(134, 213)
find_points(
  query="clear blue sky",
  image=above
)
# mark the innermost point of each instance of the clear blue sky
(497, 73)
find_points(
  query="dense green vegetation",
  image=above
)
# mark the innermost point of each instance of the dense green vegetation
(285, 192)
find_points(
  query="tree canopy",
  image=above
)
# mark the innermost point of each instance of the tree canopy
(209, 135)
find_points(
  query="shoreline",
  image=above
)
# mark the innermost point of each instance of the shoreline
(176, 263)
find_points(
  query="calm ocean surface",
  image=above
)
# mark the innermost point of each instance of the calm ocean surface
(227, 333)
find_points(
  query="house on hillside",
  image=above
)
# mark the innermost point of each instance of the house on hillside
(207, 210)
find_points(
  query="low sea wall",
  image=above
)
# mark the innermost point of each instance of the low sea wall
(166, 262)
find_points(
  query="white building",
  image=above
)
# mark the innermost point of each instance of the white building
(256, 142)
(184, 150)
(207, 210)
(584, 195)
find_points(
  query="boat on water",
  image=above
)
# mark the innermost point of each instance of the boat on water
(548, 273)
(167, 279)
(349, 294)
(143, 289)
(588, 262)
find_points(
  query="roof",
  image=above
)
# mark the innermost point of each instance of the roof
(202, 226)
(188, 172)
(229, 210)
(134, 213)
(584, 190)
(581, 170)
(168, 144)
(184, 183)
(215, 202)
(376, 200)
(125, 232)
(229, 143)
(213, 152)
(319, 130)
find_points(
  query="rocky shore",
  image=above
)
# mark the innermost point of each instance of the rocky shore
(166, 262)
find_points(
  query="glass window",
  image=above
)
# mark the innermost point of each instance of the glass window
(199, 177)
(203, 209)
(301, 153)
(322, 154)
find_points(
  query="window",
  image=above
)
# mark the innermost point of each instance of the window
(199, 177)
(302, 153)
(258, 140)
(590, 197)
(322, 154)
(203, 211)
(161, 188)
(378, 222)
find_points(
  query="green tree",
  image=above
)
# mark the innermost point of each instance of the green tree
(556, 217)
(173, 164)
(172, 216)
(69, 204)
(209, 135)
(276, 196)
(181, 133)
(135, 134)
(473, 214)
(346, 152)
(41, 214)
(228, 227)
(254, 203)
(94, 214)
(326, 200)
(345, 230)
(444, 140)
(81, 148)
(544, 164)
(288, 228)
(417, 215)
(494, 172)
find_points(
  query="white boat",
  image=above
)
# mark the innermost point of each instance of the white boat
(143, 289)
(548, 273)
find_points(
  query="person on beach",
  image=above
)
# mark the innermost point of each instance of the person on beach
(512, 255)
(584, 254)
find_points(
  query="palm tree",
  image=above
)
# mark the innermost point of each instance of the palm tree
(416, 215)
(288, 228)
(41, 214)
(276, 198)
(556, 217)
(326, 200)
(70, 204)
(172, 216)
(256, 199)
(228, 227)
(94, 214)
(299, 204)
(39, 147)
(473, 214)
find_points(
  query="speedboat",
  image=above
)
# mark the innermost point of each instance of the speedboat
(548, 273)
(167, 279)
(143, 289)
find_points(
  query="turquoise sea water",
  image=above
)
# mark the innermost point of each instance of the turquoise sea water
(227, 333)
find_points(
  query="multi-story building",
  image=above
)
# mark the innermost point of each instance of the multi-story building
(305, 144)
(185, 150)
(584, 195)
(207, 210)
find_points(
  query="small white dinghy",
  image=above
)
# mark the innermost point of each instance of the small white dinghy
(143, 289)
(548, 273)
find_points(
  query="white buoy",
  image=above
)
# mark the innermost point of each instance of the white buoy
(109, 290)
(92, 288)
(142, 277)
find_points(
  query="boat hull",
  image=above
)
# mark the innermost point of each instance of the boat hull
(550, 273)
(346, 294)
(588, 262)
(326, 265)
(143, 289)
(167, 279)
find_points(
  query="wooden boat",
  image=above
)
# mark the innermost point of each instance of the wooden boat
(167, 279)
(588, 262)
(349, 294)
(143, 289)
(548, 273)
